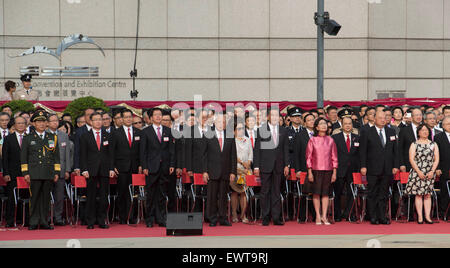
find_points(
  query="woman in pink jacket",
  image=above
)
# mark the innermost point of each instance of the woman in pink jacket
(322, 163)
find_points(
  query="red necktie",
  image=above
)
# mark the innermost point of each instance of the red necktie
(98, 140)
(220, 141)
(348, 142)
(129, 137)
(251, 138)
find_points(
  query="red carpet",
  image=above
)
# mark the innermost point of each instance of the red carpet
(291, 228)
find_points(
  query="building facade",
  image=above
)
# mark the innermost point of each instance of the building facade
(258, 50)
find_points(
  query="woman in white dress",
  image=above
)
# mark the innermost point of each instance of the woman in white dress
(244, 158)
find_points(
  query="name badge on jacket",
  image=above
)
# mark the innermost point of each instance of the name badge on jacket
(356, 144)
(166, 139)
(137, 138)
(105, 143)
(392, 138)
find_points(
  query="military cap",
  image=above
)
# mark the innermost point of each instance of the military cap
(39, 116)
(26, 78)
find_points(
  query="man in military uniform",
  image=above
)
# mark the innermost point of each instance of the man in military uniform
(295, 114)
(346, 112)
(26, 93)
(41, 167)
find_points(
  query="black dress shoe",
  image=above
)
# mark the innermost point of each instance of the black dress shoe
(428, 222)
(385, 222)
(60, 223)
(103, 226)
(419, 222)
(46, 227)
(123, 222)
(265, 222)
(33, 227)
(149, 225)
(338, 220)
(225, 223)
(212, 224)
(374, 222)
(279, 223)
(162, 225)
(90, 227)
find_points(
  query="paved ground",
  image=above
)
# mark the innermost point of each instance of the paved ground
(346, 241)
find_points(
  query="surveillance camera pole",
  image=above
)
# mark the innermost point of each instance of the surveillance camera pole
(320, 22)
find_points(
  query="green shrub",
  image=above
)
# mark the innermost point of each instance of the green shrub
(77, 107)
(20, 105)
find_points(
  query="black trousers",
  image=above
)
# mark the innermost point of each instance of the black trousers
(40, 201)
(444, 199)
(216, 207)
(123, 195)
(172, 192)
(156, 198)
(378, 196)
(270, 195)
(96, 212)
(10, 204)
(339, 186)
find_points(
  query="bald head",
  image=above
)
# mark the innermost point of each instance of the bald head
(446, 124)
(380, 119)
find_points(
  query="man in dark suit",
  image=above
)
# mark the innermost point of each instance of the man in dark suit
(443, 141)
(126, 144)
(96, 164)
(271, 161)
(195, 147)
(431, 122)
(11, 149)
(379, 161)
(370, 114)
(347, 145)
(219, 169)
(79, 132)
(158, 162)
(301, 142)
(407, 136)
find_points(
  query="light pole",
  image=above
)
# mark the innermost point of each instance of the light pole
(331, 27)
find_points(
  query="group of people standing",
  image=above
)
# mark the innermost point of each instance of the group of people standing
(330, 145)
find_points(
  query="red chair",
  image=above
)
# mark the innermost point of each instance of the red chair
(186, 190)
(402, 180)
(113, 196)
(300, 183)
(252, 183)
(359, 193)
(21, 185)
(198, 183)
(137, 180)
(77, 183)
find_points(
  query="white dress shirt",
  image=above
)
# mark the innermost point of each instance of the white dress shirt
(448, 136)
(383, 133)
(126, 132)
(95, 134)
(220, 134)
